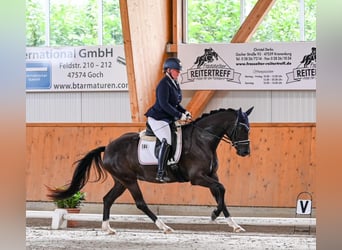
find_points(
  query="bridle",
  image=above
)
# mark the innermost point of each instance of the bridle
(229, 138)
(234, 134)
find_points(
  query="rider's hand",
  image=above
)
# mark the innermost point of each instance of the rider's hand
(183, 117)
(188, 115)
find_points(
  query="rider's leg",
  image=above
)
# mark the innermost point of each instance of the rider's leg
(162, 161)
(162, 130)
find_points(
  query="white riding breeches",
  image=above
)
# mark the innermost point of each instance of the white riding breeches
(160, 128)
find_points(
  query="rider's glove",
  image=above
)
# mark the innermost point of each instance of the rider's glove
(183, 117)
(188, 115)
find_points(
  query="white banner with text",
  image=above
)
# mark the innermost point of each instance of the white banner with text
(88, 68)
(248, 66)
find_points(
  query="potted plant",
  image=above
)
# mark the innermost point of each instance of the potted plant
(73, 202)
(72, 205)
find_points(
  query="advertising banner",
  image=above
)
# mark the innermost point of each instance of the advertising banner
(248, 66)
(90, 68)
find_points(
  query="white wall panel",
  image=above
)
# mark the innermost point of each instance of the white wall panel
(244, 99)
(269, 106)
(78, 107)
(53, 107)
(294, 106)
(106, 107)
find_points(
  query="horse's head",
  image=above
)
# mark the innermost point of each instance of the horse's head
(239, 136)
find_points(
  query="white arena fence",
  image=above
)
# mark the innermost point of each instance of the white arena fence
(59, 218)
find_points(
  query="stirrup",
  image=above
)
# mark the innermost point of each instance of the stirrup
(163, 179)
(171, 162)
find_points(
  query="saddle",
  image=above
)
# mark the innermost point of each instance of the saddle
(149, 145)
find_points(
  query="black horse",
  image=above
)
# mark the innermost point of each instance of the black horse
(311, 58)
(198, 163)
(208, 56)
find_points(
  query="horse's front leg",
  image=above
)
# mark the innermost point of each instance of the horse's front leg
(218, 192)
(236, 227)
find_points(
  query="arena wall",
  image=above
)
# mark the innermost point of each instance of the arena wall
(282, 164)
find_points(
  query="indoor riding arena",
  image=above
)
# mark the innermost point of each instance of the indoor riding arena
(245, 171)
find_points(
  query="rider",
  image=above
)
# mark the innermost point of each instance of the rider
(166, 109)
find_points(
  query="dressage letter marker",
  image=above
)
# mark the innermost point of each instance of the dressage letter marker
(303, 206)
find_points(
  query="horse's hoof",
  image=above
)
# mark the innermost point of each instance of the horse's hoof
(213, 216)
(161, 225)
(106, 228)
(111, 231)
(106, 232)
(239, 230)
(168, 231)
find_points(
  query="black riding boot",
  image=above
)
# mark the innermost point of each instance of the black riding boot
(162, 161)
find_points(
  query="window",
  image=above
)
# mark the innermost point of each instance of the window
(98, 22)
(73, 22)
(35, 23)
(218, 21)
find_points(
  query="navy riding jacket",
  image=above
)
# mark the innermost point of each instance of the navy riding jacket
(168, 97)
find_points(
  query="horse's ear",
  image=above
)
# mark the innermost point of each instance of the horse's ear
(249, 110)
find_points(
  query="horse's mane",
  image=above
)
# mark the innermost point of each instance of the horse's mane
(211, 113)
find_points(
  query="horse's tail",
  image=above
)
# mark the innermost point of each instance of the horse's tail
(81, 174)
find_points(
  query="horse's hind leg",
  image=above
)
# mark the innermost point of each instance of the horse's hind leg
(141, 204)
(108, 201)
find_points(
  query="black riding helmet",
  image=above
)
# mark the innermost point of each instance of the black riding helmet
(172, 63)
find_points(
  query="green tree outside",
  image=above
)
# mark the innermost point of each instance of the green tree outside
(75, 23)
(218, 21)
(112, 30)
(212, 21)
(35, 23)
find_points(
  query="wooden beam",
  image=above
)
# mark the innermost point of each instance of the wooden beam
(202, 97)
(126, 30)
(175, 19)
(146, 29)
(176, 26)
(171, 48)
(199, 101)
(252, 21)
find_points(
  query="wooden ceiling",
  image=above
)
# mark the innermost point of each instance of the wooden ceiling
(152, 30)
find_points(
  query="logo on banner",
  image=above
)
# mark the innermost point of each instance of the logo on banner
(210, 66)
(306, 70)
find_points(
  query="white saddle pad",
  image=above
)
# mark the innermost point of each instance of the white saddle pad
(147, 144)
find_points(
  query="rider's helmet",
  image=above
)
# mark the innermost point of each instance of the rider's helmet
(172, 63)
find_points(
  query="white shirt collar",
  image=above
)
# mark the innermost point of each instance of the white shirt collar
(173, 80)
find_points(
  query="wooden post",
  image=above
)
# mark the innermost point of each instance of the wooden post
(146, 30)
(126, 31)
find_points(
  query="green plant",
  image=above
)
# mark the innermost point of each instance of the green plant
(74, 201)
